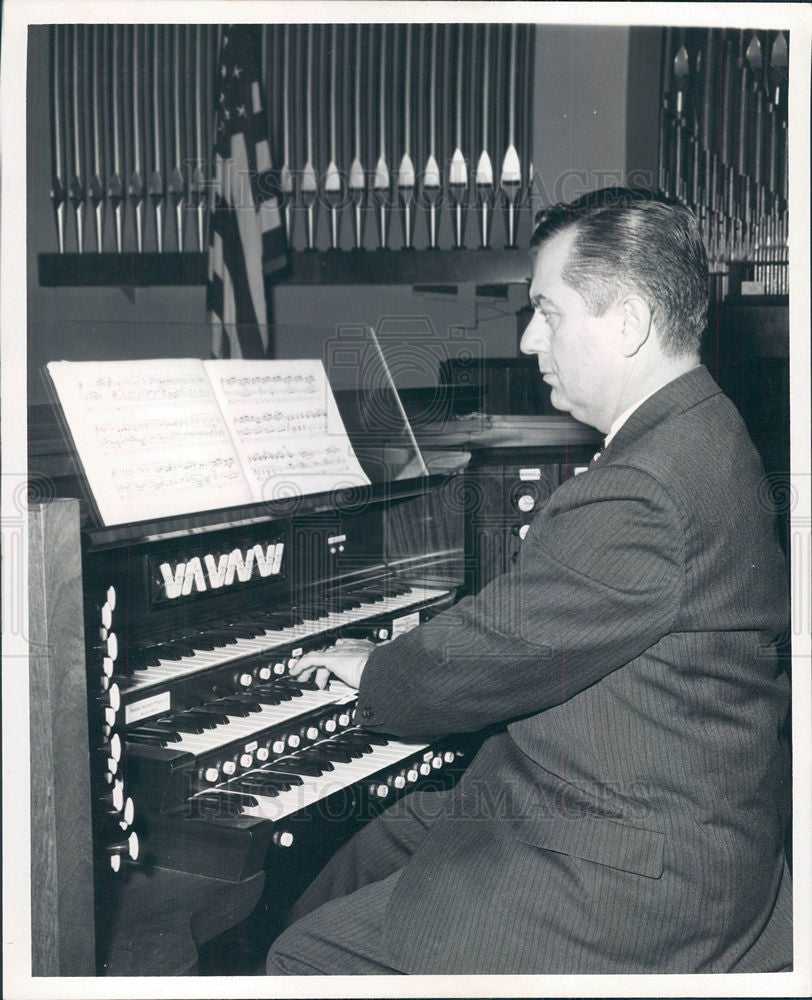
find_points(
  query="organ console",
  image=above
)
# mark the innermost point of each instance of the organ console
(204, 752)
(190, 756)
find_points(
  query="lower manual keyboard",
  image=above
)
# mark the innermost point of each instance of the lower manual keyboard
(239, 728)
(315, 788)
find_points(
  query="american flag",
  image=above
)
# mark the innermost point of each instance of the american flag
(246, 226)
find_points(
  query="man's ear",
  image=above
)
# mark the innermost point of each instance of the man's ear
(636, 327)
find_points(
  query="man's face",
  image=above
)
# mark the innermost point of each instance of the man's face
(577, 352)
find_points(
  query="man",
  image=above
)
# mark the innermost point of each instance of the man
(629, 817)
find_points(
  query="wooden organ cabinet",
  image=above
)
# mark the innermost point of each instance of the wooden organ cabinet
(147, 808)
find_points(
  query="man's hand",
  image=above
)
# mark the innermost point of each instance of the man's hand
(346, 660)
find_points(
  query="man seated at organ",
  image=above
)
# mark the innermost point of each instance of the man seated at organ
(628, 813)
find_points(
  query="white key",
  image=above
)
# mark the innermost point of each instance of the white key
(342, 776)
(273, 638)
(239, 727)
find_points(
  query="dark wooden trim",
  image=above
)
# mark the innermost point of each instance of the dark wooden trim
(122, 269)
(62, 898)
(405, 267)
(330, 267)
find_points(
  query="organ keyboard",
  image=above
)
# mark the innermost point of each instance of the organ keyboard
(205, 752)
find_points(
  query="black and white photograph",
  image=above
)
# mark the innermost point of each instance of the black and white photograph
(406, 499)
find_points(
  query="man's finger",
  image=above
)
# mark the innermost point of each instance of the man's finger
(322, 677)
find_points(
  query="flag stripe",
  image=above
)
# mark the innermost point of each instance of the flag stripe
(246, 225)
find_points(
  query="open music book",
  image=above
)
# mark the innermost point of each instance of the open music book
(174, 436)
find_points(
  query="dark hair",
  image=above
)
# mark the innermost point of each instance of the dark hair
(633, 240)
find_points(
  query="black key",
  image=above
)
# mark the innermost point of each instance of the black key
(140, 659)
(206, 808)
(374, 738)
(205, 645)
(271, 780)
(214, 795)
(304, 685)
(166, 733)
(168, 653)
(240, 630)
(183, 649)
(196, 718)
(355, 741)
(253, 786)
(265, 698)
(241, 701)
(291, 766)
(149, 740)
(295, 685)
(323, 760)
(347, 747)
(288, 776)
(186, 725)
(275, 692)
(237, 710)
(337, 754)
(208, 717)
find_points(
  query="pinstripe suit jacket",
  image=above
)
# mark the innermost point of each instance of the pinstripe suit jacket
(630, 817)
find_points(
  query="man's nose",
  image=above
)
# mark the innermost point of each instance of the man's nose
(534, 338)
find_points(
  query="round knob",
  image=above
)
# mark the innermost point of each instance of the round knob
(383, 633)
(229, 767)
(283, 838)
(344, 719)
(436, 762)
(425, 768)
(329, 725)
(279, 669)
(111, 767)
(246, 760)
(381, 791)
(111, 597)
(449, 756)
(126, 848)
(293, 741)
(127, 813)
(262, 753)
(412, 775)
(523, 531)
(526, 502)
(110, 646)
(111, 697)
(312, 732)
(264, 673)
(106, 615)
(278, 746)
(107, 666)
(113, 801)
(112, 747)
(399, 781)
(246, 680)
(211, 775)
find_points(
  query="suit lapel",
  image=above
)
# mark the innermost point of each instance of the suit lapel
(676, 397)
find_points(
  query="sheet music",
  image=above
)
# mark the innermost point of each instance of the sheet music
(150, 437)
(286, 427)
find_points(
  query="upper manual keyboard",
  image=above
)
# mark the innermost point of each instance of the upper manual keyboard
(216, 647)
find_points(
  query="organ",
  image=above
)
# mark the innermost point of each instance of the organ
(184, 754)
(204, 753)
